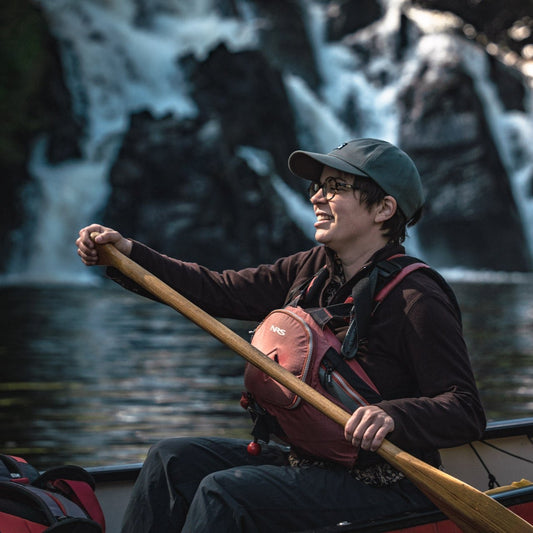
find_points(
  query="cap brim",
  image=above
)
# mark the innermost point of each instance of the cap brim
(308, 165)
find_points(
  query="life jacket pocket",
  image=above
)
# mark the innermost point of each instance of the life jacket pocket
(287, 339)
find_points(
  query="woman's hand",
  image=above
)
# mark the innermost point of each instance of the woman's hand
(87, 247)
(367, 427)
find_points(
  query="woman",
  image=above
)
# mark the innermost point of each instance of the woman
(364, 193)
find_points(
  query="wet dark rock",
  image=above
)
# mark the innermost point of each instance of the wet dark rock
(246, 95)
(470, 217)
(182, 188)
(285, 40)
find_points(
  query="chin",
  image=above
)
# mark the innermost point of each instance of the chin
(319, 238)
(322, 239)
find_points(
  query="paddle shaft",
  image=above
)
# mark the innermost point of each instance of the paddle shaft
(472, 510)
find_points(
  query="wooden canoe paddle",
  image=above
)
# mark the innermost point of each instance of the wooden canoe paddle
(470, 509)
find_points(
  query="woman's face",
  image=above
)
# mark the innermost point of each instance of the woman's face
(343, 223)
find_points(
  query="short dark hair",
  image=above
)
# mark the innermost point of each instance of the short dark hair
(395, 227)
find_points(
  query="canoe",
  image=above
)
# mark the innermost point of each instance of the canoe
(500, 463)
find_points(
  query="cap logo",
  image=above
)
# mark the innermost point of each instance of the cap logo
(341, 146)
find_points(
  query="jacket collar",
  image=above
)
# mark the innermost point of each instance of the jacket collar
(383, 253)
(345, 290)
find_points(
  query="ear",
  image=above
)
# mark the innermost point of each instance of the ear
(386, 209)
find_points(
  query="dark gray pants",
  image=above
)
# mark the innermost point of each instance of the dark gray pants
(213, 485)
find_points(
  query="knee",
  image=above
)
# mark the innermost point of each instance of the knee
(167, 450)
(219, 505)
(210, 484)
(223, 488)
(214, 493)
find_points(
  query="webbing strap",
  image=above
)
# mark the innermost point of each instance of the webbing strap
(28, 495)
(363, 303)
(333, 314)
(354, 380)
(308, 289)
(52, 503)
(83, 495)
(384, 277)
(367, 295)
(405, 271)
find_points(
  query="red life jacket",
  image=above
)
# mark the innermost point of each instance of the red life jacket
(301, 341)
(292, 338)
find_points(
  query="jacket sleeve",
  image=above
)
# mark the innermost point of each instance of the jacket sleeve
(247, 294)
(443, 408)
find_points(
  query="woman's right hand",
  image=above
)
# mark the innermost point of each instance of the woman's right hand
(87, 248)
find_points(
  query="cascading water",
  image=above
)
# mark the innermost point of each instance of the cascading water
(114, 67)
(512, 132)
(69, 194)
(117, 65)
(346, 79)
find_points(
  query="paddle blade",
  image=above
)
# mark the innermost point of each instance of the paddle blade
(473, 511)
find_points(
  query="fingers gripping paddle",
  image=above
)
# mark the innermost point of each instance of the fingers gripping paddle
(472, 510)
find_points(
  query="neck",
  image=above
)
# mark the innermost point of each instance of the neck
(353, 262)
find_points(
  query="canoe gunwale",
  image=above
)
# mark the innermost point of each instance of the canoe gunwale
(508, 428)
(118, 473)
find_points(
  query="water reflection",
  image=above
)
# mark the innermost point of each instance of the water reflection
(95, 375)
(499, 330)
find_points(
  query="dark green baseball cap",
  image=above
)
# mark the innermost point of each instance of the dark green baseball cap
(391, 168)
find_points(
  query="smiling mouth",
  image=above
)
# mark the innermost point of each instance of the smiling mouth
(323, 217)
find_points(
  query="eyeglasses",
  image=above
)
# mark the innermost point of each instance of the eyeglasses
(330, 187)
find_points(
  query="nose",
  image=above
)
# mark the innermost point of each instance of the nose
(318, 197)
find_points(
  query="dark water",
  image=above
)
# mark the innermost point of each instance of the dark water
(95, 375)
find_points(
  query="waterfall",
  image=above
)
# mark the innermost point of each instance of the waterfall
(119, 61)
(69, 194)
(512, 132)
(113, 67)
(345, 79)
